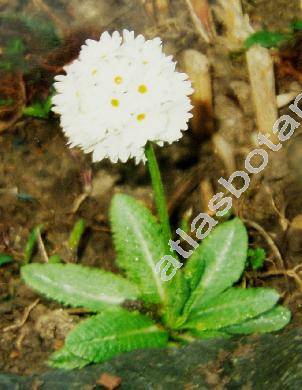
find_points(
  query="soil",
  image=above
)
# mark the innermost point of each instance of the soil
(42, 180)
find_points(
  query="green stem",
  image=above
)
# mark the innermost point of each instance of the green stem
(159, 192)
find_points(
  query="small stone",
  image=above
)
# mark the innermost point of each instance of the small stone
(14, 354)
(110, 382)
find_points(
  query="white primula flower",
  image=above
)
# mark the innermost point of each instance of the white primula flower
(119, 94)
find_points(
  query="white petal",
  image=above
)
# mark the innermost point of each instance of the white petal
(121, 93)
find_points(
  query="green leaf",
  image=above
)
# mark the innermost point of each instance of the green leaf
(195, 267)
(296, 25)
(13, 55)
(231, 307)
(271, 321)
(140, 245)
(6, 102)
(5, 259)
(39, 109)
(107, 334)
(177, 294)
(209, 334)
(267, 39)
(76, 285)
(40, 36)
(66, 360)
(217, 263)
(76, 234)
(14, 47)
(55, 259)
(42, 28)
(256, 258)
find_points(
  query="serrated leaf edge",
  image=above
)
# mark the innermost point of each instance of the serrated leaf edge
(149, 257)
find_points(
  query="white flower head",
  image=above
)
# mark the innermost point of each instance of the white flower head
(120, 93)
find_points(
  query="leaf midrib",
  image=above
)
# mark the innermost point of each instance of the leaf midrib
(215, 270)
(227, 305)
(149, 257)
(70, 289)
(133, 332)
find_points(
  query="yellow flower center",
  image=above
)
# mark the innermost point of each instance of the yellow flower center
(94, 72)
(142, 88)
(118, 80)
(140, 117)
(115, 102)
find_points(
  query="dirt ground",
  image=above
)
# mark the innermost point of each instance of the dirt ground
(42, 180)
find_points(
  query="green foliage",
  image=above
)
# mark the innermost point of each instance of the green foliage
(218, 263)
(55, 259)
(13, 55)
(35, 35)
(6, 102)
(103, 336)
(256, 258)
(78, 286)
(138, 236)
(14, 47)
(76, 234)
(231, 307)
(31, 243)
(39, 109)
(65, 359)
(208, 334)
(267, 39)
(199, 302)
(5, 259)
(271, 321)
(41, 29)
(297, 25)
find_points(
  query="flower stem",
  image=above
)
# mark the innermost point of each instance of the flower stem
(159, 192)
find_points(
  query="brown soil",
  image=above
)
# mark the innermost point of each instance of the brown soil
(41, 179)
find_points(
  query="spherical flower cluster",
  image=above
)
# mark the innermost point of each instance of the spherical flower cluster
(120, 93)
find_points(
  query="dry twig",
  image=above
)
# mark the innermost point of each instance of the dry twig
(87, 184)
(286, 98)
(226, 152)
(162, 10)
(207, 193)
(197, 67)
(262, 78)
(200, 27)
(24, 318)
(238, 27)
(41, 246)
(291, 273)
(202, 19)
